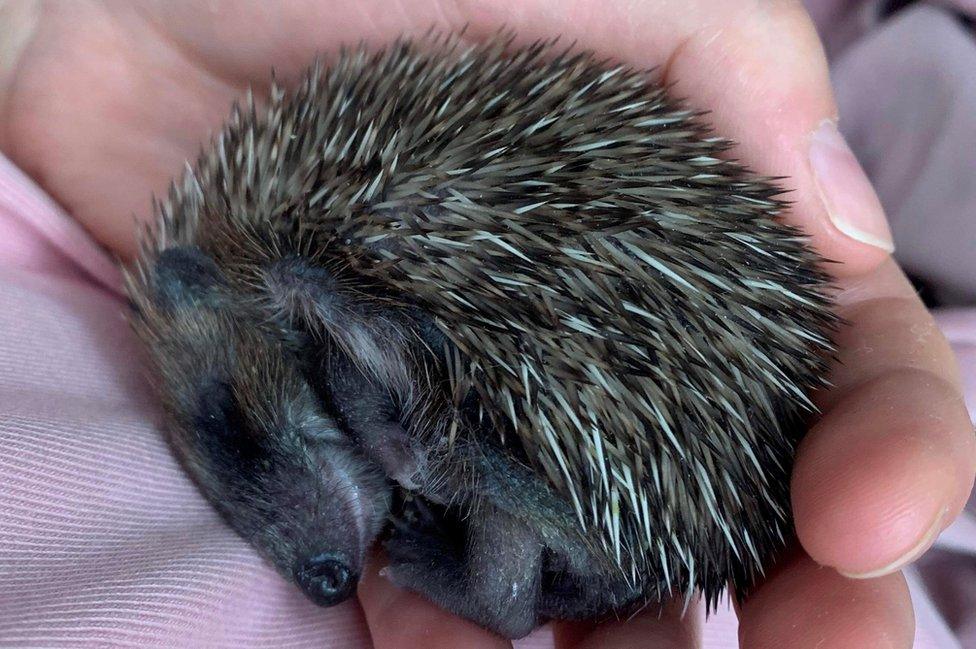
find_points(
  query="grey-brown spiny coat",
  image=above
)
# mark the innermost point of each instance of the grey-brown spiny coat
(507, 307)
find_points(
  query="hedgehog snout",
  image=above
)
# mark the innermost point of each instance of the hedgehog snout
(327, 579)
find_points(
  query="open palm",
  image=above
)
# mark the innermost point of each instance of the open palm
(106, 100)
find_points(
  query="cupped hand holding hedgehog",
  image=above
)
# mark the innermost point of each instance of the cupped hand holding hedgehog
(511, 307)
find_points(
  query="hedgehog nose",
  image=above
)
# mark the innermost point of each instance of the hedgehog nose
(327, 579)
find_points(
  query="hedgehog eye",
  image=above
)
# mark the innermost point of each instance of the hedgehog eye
(218, 414)
(222, 427)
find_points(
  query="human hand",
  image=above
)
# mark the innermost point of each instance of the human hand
(108, 98)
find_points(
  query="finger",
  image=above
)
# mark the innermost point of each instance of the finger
(398, 619)
(674, 626)
(804, 605)
(888, 329)
(891, 462)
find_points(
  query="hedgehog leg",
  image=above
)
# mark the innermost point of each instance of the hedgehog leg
(504, 570)
(569, 596)
(366, 410)
(491, 576)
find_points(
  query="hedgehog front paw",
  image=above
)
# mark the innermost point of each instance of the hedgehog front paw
(421, 533)
(423, 558)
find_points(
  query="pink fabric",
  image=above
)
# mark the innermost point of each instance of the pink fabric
(103, 540)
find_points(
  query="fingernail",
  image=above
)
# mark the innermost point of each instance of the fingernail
(846, 192)
(906, 558)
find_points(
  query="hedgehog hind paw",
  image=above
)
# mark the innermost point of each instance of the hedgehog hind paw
(481, 569)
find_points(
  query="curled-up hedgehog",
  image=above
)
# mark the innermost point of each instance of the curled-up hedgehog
(507, 309)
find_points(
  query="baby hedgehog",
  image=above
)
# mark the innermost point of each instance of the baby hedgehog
(506, 308)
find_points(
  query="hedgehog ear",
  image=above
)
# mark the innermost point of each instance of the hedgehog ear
(186, 276)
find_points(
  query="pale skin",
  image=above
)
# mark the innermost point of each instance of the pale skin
(102, 102)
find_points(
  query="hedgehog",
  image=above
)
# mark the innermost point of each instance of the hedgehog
(510, 310)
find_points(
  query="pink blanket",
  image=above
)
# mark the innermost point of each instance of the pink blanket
(104, 542)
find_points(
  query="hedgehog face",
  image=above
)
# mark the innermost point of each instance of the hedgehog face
(283, 474)
(254, 435)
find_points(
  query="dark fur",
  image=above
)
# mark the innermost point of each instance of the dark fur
(511, 306)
